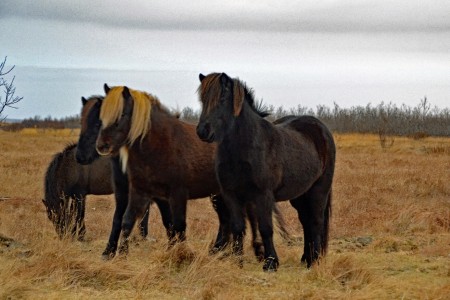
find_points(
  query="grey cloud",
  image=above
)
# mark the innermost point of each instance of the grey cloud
(266, 15)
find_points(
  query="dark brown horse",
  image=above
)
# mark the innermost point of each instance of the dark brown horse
(66, 185)
(258, 162)
(86, 154)
(163, 157)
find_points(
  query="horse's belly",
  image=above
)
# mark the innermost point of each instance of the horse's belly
(295, 185)
(290, 192)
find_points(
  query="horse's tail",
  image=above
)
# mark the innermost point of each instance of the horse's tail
(53, 188)
(326, 224)
(282, 225)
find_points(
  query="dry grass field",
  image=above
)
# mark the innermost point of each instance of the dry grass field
(390, 234)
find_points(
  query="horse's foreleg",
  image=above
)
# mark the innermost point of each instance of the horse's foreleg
(237, 221)
(256, 237)
(121, 196)
(166, 214)
(223, 234)
(264, 207)
(178, 203)
(137, 205)
(121, 206)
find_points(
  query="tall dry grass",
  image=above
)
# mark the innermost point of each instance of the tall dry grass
(390, 234)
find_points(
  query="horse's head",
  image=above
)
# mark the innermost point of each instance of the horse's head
(218, 108)
(90, 127)
(116, 117)
(223, 100)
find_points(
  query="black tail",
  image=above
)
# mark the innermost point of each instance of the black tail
(54, 189)
(326, 224)
(282, 225)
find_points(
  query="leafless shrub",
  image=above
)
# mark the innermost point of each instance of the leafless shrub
(9, 99)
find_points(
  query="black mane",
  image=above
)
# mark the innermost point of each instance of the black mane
(256, 105)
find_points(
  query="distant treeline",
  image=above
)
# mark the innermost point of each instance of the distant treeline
(71, 122)
(387, 119)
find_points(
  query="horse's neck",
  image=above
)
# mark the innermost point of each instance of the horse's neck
(161, 119)
(161, 124)
(244, 136)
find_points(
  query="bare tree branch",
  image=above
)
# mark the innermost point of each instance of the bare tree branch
(9, 99)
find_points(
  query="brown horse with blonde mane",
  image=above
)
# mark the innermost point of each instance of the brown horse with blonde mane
(87, 155)
(163, 158)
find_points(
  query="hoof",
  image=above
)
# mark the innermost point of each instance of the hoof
(107, 256)
(123, 251)
(259, 251)
(214, 250)
(240, 262)
(270, 264)
(217, 249)
(303, 259)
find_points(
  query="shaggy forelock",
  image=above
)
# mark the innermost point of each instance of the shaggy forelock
(112, 109)
(209, 91)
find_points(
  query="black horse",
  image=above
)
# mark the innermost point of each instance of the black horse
(66, 185)
(87, 155)
(259, 162)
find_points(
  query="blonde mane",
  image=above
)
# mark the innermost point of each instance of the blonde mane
(112, 108)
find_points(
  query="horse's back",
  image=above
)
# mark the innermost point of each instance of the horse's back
(314, 130)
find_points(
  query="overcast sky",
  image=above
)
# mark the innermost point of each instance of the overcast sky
(262, 15)
(358, 51)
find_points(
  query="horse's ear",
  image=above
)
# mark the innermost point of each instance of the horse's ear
(83, 101)
(127, 104)
(238, 97)
(126, 93)
(106, 88)
(224, 79)
(201, 77)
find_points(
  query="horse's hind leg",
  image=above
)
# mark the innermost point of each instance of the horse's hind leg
(300, 204)
(166, 214)
(313, 212)
(223, 234)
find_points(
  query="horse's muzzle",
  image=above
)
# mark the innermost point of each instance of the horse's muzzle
(204, 132)
(84, 159)
(103, 149)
